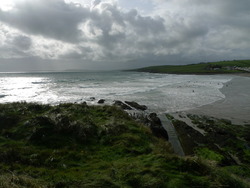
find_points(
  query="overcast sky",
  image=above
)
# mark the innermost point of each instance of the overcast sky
(118, 34)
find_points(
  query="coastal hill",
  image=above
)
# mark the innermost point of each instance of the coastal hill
(77, 145)
(222, 67)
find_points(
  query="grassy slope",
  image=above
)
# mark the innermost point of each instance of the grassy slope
(196, 68)
(75, 145)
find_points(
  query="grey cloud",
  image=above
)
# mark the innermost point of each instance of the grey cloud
(22, 42)
(220, 12)
(95, 3)
(145, 25)
(230, 7)
(71, 55)
(59, 20)
(121, 33)
(190, 30)
(13, 44)
(211, 24)
(12, 52)
(49, 18)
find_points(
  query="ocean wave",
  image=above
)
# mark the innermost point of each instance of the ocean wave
(158, 91)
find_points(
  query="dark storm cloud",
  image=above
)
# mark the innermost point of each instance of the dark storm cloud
(59, 20)
(174, 31)
(105, 25)
(49, 18)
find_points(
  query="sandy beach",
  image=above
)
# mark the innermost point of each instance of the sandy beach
(236, 104)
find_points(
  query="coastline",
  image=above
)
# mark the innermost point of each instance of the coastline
(234, 107)
(243, 74)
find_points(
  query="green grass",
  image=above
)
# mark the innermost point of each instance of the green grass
(75, 145)
(201, 68)
(209, 154)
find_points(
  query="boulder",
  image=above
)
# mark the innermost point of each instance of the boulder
(122, 105)
(92, 98)
(136, 105)
(154, 119)
(101, 101)
(156, 126)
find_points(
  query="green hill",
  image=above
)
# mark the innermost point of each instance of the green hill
(222, 67)
(76, 145)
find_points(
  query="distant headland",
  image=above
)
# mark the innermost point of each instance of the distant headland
(222, 67)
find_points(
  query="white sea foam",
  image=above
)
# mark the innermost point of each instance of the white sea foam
(160, 92)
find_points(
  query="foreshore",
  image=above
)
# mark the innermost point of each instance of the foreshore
(243, 74)
(236, 104)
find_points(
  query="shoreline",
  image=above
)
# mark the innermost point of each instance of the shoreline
(242, 74)
(234, 107)
(195, 73)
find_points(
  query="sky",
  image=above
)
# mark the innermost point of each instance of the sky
(120, 34)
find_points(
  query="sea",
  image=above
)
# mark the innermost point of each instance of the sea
(159, 92)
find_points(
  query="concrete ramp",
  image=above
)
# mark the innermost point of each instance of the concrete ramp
(173, 138)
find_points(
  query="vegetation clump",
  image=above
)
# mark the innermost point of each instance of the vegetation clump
(76, 145)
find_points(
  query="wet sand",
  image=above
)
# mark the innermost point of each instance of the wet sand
(235, 106)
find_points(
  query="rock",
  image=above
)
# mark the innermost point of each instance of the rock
(156, 126)
(189, 137)
(101, 101)
(122, 105)
(154, 119)
(136, 105)
(159, 131)
(84, 103)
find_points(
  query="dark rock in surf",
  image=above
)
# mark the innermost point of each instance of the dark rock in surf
(101, 101)
(92, 98)
(136, 105)
(122, 105)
